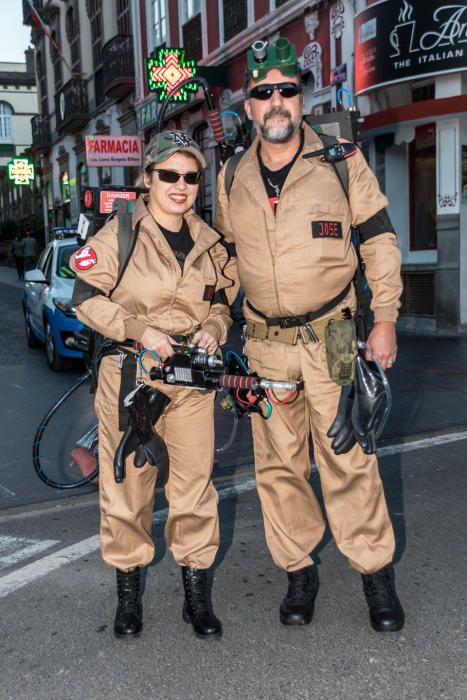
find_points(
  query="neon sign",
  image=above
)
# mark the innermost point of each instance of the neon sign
(20, 171)
(168, 70)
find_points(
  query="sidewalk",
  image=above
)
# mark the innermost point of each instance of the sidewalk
(8, 275)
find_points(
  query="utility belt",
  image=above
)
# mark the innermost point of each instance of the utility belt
(290, 329)
(338, 332)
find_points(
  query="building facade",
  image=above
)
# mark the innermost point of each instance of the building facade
(85, 77)
(18, 103)
(411, 82)
(404, 64)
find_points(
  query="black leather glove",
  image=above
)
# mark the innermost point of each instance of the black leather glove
(342, 429)
(369, 406)
(147, 405)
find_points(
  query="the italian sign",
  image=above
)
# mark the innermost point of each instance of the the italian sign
(397, 40)
(104, 150)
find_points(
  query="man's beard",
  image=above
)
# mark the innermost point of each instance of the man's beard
(278, 134)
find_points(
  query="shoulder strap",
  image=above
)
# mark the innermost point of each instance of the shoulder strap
(341, 168)
(127, 237)
(230, 169)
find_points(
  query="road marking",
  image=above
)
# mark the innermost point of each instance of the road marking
(421, 444)
(11, 493)
(31, 572)
(15, 549)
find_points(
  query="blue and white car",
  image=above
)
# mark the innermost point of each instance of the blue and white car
(48, 313)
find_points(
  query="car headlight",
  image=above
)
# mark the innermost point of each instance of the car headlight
(65, 306)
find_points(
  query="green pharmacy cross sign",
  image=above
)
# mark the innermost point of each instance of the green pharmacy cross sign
(20, 171)
(168, 70)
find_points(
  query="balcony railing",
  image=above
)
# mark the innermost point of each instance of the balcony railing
(41, 136)
(119, 67)
(71, 106)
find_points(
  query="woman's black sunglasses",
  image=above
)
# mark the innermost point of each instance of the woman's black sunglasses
(264, 92)
(191, 178)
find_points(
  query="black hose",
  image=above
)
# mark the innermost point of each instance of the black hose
(38, 437)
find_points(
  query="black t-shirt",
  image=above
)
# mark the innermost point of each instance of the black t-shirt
(274, 179)
(180, 241)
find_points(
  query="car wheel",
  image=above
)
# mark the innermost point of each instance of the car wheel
(54, 360)
(31, 338)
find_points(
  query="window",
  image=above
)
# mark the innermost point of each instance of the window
(42, 79)
(64, 254)
(6, 134)
(235, 17)
(83, 180)
(94, 9)
(191, 8)
(423, 188)
(65, 187)
(278, 3)
(124, 17)
(72, 33)
(55, 58)
(159, 22)
(193, 38)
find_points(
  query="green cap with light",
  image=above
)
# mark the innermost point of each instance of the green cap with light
(262, 58)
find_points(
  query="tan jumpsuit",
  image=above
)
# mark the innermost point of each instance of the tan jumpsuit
(286, 268)
(154, 292)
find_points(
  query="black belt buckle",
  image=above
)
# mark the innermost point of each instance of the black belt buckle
(290, 322)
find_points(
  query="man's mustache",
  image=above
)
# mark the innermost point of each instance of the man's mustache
(276, 111)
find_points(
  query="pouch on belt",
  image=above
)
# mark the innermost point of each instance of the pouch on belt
(341, 350)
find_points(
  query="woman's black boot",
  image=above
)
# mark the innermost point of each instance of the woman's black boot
(129, 616)
(197, 608)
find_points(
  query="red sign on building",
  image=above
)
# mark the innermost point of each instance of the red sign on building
(104, 150)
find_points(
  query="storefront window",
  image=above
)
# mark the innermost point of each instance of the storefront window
(423, 189)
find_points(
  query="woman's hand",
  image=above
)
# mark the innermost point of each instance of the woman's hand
(158, 341)
(207, 337)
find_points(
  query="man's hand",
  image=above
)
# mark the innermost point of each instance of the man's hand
(208, 338)
(383, 343)
(158, 341)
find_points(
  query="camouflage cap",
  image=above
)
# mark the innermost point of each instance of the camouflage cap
(167, 143)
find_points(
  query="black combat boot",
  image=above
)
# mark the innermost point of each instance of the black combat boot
(129, 616)
(197, 607)
(298, 605)
(386, 614)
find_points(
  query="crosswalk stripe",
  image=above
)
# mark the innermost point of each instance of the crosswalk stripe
(15, 549)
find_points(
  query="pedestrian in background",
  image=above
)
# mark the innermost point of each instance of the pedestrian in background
(29, 246)
(17, 252)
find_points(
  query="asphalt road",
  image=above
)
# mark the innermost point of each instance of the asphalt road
(56, 609)
(57, 599)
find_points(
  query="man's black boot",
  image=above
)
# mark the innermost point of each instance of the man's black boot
(386, 614)
(129, 616)
(197, 607)
(298, 605)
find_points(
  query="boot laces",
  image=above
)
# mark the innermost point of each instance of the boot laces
(378, 589)
(300, 585)
(128, 590)
(197, 592)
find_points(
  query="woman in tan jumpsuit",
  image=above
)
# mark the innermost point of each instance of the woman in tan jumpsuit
(172, 286)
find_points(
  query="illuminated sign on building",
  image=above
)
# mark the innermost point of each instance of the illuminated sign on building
(401, 40)
(20, 171)
(169, 70)
(107, 150)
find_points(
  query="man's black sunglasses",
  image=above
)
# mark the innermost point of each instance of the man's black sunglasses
(264, 92)
(191, 178)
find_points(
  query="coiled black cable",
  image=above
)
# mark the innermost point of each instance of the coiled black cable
(38, 437)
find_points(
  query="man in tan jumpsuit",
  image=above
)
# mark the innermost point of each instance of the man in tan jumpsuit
(290, 222)
(164, 294)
